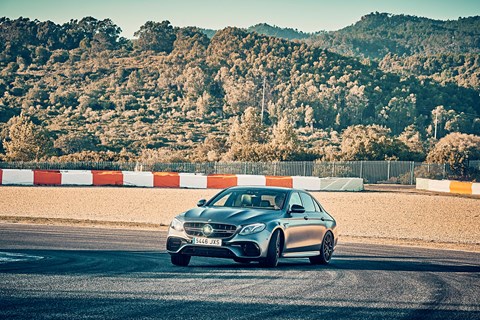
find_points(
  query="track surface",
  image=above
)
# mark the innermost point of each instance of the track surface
(84, 273)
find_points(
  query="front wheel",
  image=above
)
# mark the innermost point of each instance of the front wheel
(181, 260)
(326, 250)
(273, 252)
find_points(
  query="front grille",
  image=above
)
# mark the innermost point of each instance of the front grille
(207, 252)
(222, 231)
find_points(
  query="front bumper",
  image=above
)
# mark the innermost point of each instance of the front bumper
(252, 246)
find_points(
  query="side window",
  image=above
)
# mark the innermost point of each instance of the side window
(307, 202)
(295, 199)
(317, 207)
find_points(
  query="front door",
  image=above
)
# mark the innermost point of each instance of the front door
(298, 229)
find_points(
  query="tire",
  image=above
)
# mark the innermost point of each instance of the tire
(326, 250)
(242, 260)
(273, 252)
(181, 260)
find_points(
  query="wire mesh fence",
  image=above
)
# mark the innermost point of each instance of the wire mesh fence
(398, 172)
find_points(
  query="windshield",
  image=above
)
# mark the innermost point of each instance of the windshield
(250, 198)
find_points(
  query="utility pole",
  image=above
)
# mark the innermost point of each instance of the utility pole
(263, 98)
(436, 123)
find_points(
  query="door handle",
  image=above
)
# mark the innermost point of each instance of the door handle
(306, 217)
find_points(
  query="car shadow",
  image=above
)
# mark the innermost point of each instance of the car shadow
(156, 263)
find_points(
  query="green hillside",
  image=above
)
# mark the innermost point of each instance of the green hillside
(175, 94)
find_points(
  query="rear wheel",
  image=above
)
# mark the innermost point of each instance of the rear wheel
(273, 252)
(326, 250)
(180, 259)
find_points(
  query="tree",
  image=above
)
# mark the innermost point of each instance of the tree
(399, 113)
(106, 35)
(284, 144)
(355, 104)
(248, 129)
(26, 141)
(76, 142)
(371, 142)
(246, 137)
(448, 121)
(156, 36)
(309, 117)
(413, 141)
(212, 149)
(456, 149)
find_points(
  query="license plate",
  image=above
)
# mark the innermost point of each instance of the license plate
(207, 242)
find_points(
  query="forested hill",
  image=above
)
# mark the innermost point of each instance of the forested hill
(378, 34)
(445, 51)
(175, 92)
(274, 31)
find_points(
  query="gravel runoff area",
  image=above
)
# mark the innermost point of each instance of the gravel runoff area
(389, 215)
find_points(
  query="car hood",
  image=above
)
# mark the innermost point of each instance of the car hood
(236, 216)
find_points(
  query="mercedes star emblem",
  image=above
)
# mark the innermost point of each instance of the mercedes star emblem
(207, 230)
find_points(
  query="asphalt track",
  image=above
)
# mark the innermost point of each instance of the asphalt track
(51, 272)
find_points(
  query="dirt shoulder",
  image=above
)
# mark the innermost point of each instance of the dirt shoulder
(384, 215)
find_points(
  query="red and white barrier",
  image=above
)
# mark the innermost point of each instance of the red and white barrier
(307, 183)
(191, 180)
(77, 177)
(341, 184)
(137, 179)
(250, 180)
(221, 181)
(476, 188)
(166, 179)
(17, 177)
(171, 180)
(459, 187)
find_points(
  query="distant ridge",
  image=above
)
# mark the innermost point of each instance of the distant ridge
(378, 34)
(274, 31)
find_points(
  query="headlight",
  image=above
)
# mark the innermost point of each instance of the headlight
(176, 224)
(252, 228)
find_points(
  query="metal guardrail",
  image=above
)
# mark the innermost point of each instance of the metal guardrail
(399, 172)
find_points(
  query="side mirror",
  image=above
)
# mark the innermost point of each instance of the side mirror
(201, 202)
(296, 208)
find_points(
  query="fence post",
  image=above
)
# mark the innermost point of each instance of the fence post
(412, 171)
(361, 168)
(333, 169)
(304, 168)
(388, 170)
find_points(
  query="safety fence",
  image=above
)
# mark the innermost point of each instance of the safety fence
(398, 172)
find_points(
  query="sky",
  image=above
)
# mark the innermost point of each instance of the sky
(304, 15)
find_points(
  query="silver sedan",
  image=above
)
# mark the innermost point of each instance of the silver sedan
(254, 224)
